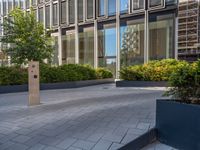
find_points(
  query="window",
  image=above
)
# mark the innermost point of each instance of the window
(68, 48)
(33, 2)
(124, 5)
(86, 46)
(80, 10)
(9, 5)
(4, 8)
(40, 1)
(15, 3)
(71, 10)
(27, 4)
(138, 4)
(155, 3)
(47, 15)
(40, 14)
(161, 36)
(63, 12)
(21, 4)
(132, 42)
(111, 7)
(55, 14)
(101, 7)
(90, 8)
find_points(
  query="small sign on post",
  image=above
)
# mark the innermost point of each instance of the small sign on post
(34, 83)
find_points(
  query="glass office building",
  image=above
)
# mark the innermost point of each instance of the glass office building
(106, 33)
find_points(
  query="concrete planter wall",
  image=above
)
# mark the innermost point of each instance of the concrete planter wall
(125, 83)
(178, 124)
(50, 86)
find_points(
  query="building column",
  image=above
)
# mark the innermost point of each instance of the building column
(118, 38)
(146, 36)
(76, 33)
(95, 44)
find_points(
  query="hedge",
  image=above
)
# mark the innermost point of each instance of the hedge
(48, 74)
(158, 70)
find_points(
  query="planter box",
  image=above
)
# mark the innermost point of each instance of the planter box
(51, 86)
(125, 83)
(178, 124)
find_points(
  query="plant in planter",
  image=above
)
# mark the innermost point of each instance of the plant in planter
(177, 119)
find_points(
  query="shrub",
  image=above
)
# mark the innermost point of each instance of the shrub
(13, 76)
(102, 73)
(153, 71)
(48, 74)
(185, 83)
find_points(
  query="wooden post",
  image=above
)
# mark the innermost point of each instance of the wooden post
(34, 83)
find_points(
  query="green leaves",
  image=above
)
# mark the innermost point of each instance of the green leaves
(27, 37)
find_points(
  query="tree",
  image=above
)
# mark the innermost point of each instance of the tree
(24, 38)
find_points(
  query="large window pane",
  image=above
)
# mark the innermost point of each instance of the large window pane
(21, 4)
(63, 12)
(40, 1)
(101, 7)
(111, 7)
(138, 4)
(33, 2)
(47, 10)
(68, 48)
(9, 5)
(71, 9)
(80, 10)
(55, 14)
(27, 4)
(155, 3)
(107, 48)
(161, 37)
(4, 8)
(15, 3)
(90, 4)
(132, 42)
(124, 4)
(40, 14)
(86, 46)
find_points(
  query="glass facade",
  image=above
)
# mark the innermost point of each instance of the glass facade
(80, 10)
(138, 5)
(68, 48)
(40, 15)
(90, 9)
(161, 36)
(111, 7)
(71, 11)
(124, 6)
(63, 12)
(101, 7)
(47, 10)
(86, 46)
(107, 47)
(132, 42)
(55, 14)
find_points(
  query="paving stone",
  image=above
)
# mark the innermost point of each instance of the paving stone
(51, 148)
(66, 143)
(115, 146)
(17, 146)
(21, 139)
(128, 138)
(86, 145)
(102, 145)
(38, 147)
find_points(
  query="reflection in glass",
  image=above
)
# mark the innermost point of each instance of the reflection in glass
(86, 46)
(55, 14)
(111, 7)
(63, 12)
(80, 10)
(40, 14)
(71, 10)
(90, 9)
(132, 43)
(161, 38)
(47, 10)
(124, 4)
(138, 4)
(154, 3)
(107, 49)
(101, 9)
(68, 48)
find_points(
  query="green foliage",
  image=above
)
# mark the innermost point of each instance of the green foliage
(27, 38)
(13, 75)
(48, 74)
(185, 83)
(153, 71)
(102, 73)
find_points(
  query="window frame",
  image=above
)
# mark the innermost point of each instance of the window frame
(52, 15)
(136, 11)
(105, 9)
(86, 11)
(62, 1)
(157, 7)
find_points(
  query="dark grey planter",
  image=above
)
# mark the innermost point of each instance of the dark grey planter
(178, 124)
(51, 86)
(125, 83)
